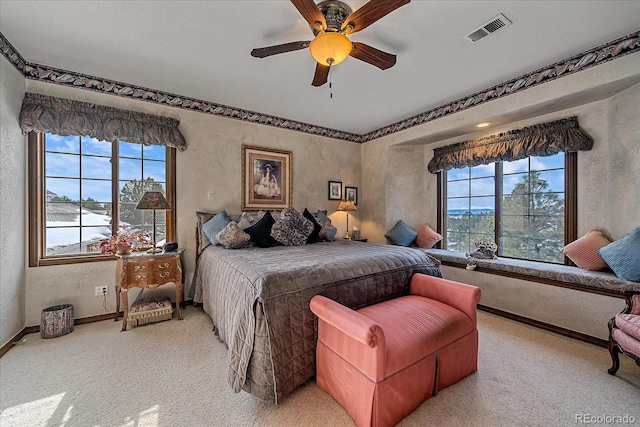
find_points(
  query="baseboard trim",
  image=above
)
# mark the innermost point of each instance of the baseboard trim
(5, 348)
(79, 321)
(36, 329)
(546, 326)
(527, 321)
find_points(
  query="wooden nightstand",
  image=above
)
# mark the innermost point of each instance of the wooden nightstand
(144, 270)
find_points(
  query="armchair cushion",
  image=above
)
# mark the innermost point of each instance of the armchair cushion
(628, 343)
(408, 320)
(629, 324)
(624, 332)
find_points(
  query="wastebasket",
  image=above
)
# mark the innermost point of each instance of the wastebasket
(56, 321)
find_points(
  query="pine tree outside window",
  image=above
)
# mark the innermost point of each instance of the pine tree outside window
(518, 204)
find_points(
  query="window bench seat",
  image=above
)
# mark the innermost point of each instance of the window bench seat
(601, 282)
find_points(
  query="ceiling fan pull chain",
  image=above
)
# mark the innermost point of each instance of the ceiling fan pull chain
(330, 83)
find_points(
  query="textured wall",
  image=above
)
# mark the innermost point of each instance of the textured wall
(211, 163)
(623, 169)
(12, 204)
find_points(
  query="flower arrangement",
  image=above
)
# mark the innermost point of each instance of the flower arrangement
(124, 241)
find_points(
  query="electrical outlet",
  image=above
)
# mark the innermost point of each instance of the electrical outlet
(102, 290)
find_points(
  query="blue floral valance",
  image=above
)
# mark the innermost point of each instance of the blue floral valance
(41, 113)
(544, 139)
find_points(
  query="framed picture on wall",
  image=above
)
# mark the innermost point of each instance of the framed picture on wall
(266, 178)
(335, 190)
(351, 193)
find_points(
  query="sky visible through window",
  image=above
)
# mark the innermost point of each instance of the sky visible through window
(79, 185)
(481, 198)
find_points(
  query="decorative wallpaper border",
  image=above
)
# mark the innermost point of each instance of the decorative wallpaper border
(598, 55)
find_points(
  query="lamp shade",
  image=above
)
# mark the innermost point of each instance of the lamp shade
(153, 200)
(347, 205)
(330, 48)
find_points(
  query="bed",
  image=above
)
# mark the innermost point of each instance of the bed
(258, 300)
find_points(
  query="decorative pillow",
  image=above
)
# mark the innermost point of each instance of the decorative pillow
(584, 251)
(427, 237)
(401, 234)
(315, 234)
(291, 228)
(260, 232)
(232, 237)
(215, 225)
(328, 232)
(322, 217)
(246, 220)
(203, 240)
(623, 256)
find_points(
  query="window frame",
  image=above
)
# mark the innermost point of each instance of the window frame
(570, 204)
(36, 202)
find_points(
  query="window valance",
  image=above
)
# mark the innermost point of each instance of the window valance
(41, 113)
(543, 139)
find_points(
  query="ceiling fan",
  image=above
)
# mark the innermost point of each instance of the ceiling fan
(331, 21)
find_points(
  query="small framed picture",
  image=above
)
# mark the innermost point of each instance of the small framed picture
(351, 193)
(335, 190)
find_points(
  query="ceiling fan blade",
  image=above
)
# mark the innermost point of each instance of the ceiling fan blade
(370, 13)
(373, 56)
(309, 11)
(263, 52)
(321, 75)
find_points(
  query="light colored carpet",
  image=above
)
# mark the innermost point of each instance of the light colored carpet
(174, 373)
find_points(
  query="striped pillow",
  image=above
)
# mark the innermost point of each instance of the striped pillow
(584, 251)
(623, 256)
(427, 237)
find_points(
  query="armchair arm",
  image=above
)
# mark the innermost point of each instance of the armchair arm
(347, 321)
(458, 295)
(352, 336)
(633, 302)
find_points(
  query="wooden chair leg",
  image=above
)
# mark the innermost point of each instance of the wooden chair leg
(614, 351)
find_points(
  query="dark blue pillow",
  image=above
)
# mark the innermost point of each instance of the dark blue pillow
(623, 256)
(315, 234)
(260, 232)
(401, 234)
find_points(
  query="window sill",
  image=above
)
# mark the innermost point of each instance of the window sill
(601, 282)
(45, 262)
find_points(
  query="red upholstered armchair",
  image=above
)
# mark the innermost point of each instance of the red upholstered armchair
(624, 332)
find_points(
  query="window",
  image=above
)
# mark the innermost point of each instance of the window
(526, 206)
(76, 183)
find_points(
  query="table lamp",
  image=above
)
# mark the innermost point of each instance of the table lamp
(347, 206)
(153, 200)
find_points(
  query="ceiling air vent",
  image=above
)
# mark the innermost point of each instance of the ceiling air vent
(490, 27)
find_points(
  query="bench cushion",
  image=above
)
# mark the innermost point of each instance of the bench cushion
(415, 327)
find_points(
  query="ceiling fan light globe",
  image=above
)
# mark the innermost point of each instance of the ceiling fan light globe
(330, 48)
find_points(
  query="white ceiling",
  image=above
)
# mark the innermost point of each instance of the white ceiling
(200, 49)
